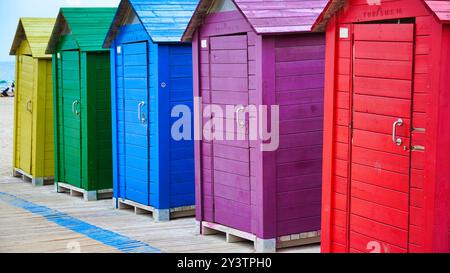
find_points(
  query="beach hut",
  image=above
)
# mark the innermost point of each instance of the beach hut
(33, 151)
(82, 102)
(254, 54)
(386, 142)
(151, 74)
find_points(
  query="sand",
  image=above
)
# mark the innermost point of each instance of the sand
(6, 136)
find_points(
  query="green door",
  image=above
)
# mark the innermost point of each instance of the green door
(70, 117)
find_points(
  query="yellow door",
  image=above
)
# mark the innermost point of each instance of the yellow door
(25, 111)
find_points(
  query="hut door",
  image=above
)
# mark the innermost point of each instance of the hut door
(25, 104)
(136, 141)
(381, 130)
(229, 84)
(70, 94)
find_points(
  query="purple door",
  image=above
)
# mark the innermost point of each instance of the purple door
(230, 159)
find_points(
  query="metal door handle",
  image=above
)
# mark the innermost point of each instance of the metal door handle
(398, 123)
(240, 123)
(29, 106)
(75, 102)
(140, 118)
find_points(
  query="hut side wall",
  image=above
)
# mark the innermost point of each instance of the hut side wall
(98, 121)
(43, 141)
(299, 81)
(180, 153)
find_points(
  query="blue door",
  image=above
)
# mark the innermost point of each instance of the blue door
(135, 134)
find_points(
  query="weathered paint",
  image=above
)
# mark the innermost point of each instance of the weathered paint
(378, 196)
(81, 70)
(151, 77)
(33, 126)
(270, 194)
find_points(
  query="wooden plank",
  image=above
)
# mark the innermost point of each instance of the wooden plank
(382, 178)
(381, 160)
(392, 51)
(378, 231)
(379, 195)
(389, 69)
(384, 32)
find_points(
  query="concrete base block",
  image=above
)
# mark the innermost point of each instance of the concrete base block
(38, 182)
(56, 187)
(115, 204)
(198, 228)
(161, 215)
(90, 196)
(265, 245)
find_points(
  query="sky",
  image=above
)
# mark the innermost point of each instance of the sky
(12, 10)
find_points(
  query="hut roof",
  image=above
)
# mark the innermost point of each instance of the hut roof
(37, 32)
(164, 20)
(266, 17)
(440, 8)
(87, 25)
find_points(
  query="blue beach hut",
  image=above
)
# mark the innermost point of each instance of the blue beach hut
(151, 74)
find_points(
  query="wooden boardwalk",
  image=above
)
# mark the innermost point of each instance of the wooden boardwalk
(23, 231)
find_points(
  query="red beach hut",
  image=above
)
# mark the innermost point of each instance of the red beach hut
(260, 53)
(386, 174)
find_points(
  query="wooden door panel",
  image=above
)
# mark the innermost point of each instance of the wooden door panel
(70, 91)
(25, 104)
(135, 100)
(228, 81)
(380, 167)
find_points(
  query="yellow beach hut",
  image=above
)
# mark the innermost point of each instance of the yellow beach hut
(33, 155)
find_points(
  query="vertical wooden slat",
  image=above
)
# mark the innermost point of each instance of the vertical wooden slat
(328, 134)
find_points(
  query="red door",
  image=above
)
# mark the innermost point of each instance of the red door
(380, 150)
(227, 174)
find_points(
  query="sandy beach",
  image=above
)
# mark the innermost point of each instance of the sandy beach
(6, 136)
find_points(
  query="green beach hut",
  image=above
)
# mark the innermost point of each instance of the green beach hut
(82, 104)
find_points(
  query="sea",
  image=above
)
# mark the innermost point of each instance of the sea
(7, 70)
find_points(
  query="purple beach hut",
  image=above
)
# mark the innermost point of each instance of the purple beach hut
(260, 53)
